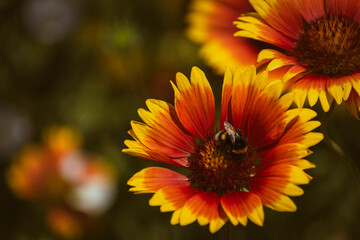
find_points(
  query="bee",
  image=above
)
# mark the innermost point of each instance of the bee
(232, 139)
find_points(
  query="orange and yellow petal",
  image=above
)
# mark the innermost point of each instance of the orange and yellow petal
(301, 128)
(273, 184)
(166, 127)
(267, 55)
(172, 198)
(161, 137)
(281, 170)
(280, 62)
(355, 81)
(210, 19)
(293, 72)
(312, 87)
(152, 179)
(203, 207)
(211, 24)
(267, 26)
(340, 88)
(222, 54)
(137, 149)
(262, 129)
(353, 103)
(288, 153)
(226, 96)
(239, 206)
(252, 26)
(158, 141)
(194, 103)
(189, 205)
(273, 199)
(290, 23)
(240, 91)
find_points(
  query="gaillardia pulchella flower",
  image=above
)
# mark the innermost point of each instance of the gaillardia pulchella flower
(255, 159)
(317, 41)
(211, 24)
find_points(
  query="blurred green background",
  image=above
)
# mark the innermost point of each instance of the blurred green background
(91, 64)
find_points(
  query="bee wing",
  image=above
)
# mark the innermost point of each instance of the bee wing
(231, 131)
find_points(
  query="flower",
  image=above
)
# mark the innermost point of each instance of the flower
(34, 174)
(255, 160)
(211, 24)
(77, 187)
(316, 41)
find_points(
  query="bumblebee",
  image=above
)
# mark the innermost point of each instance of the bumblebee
(232, 140)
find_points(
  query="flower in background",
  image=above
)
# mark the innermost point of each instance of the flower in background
(254, 161)
(77, 186)
(316, 41)
(211, 24)
(64, 222)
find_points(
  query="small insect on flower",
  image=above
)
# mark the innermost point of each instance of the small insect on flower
(255, 160)
(232, 140)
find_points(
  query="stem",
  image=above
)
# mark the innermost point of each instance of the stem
(227, 231)
(335, 147)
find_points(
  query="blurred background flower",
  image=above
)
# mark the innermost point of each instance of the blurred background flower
(76, 187)
(211, 24)
(91, 64)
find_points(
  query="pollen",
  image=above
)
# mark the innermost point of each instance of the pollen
(330, 46)
(213, 168)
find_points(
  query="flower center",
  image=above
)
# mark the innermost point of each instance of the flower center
(214, 168)
(330, 46)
